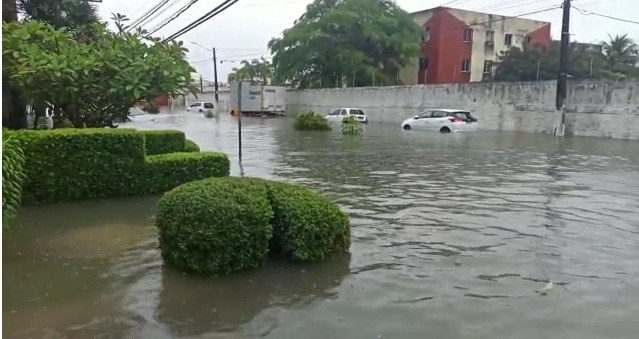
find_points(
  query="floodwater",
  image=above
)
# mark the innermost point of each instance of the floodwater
(484, 235)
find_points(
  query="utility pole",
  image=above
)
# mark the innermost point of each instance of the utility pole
(217, 98)
(562, 85)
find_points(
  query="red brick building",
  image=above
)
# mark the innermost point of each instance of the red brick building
(461, 46)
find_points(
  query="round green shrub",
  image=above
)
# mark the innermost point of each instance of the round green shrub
(306, 225)
(191, 146)
(221, 225)
(215, 226)
(310, 121)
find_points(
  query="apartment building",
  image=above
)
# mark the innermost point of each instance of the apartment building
(461, 46)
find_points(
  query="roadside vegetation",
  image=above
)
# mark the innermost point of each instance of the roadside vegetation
(240, 222)
(310, 121)
(350, 126)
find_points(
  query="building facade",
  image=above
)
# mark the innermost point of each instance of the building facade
(460, 46)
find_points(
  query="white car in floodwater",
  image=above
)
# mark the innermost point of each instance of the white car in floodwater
(442, 120)
(341, 113)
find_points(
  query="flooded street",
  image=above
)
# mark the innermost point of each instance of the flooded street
(483, 235)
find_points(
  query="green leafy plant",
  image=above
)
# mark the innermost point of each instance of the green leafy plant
(350, 126)
(191, 146)
(164, 141)
(92, 82)
(12, 178)
(346, 42)
(75, 164)
(310, 121)
(217, 226)
(213, 227)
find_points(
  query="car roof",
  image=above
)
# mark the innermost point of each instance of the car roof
(349, 108)
(450, 110)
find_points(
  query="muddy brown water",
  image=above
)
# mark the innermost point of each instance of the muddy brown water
(454, 236)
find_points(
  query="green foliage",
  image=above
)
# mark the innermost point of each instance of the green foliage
(166, 171)
(534, 62)
(214, 226)
(69, 14)
(310, 121)
(92, 82)
(163, 142)
(191, 146)
(75, 164)
(357, 42)
(221, 225)
(12, 178)
(350, 126)
(255, 71)
(306, 225)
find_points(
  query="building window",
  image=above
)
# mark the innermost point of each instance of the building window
(426, 34)
(468, 34)
(508, 39)
(423, 64)
(528, 39)
(490, 37)
(465, 67)
(488, 66)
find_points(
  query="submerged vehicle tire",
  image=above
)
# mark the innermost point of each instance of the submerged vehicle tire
(407, 127)
(445, 130)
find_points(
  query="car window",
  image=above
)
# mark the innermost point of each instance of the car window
(425, 114)
(438, 114)
(335, 112)
(459, 114)
(195, 104)
(357, 112)
(208, 105)
(343, 112)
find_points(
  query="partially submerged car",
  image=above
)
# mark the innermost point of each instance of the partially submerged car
(443, 120)
(342, 113)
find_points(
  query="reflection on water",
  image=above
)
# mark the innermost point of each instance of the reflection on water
(453, 237)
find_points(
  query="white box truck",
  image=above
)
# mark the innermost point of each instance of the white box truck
(259, 99)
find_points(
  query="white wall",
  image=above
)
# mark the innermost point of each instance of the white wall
(603, 109)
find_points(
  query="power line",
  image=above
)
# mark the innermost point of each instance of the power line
(139, 21)
(215, 11)
(160, 12)
(587, 13)
(173, 17)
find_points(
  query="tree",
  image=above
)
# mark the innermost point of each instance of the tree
(70, 14)
(532, 62)
(256, 71)
(620, 52)
(354, 42)
(92, 83)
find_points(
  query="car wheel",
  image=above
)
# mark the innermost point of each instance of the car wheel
(407, 127)
(444, 130)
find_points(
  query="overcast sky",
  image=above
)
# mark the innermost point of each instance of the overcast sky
(242, 31)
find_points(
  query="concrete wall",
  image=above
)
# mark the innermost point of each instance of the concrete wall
(603, 109)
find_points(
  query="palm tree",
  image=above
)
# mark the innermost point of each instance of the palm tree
(620, 52)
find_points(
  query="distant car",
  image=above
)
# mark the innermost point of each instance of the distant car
(442, 120)
(201, 107)
(340, 114)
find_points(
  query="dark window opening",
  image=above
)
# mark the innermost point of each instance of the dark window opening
(465, 67)
(508, 39)
(468, 35)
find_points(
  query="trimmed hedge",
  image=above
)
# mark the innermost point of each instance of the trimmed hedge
(166, 171)
(191, 146)
(203, 223)
(163, 142)
(212, 226)
(74, 164)
(12, 178)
